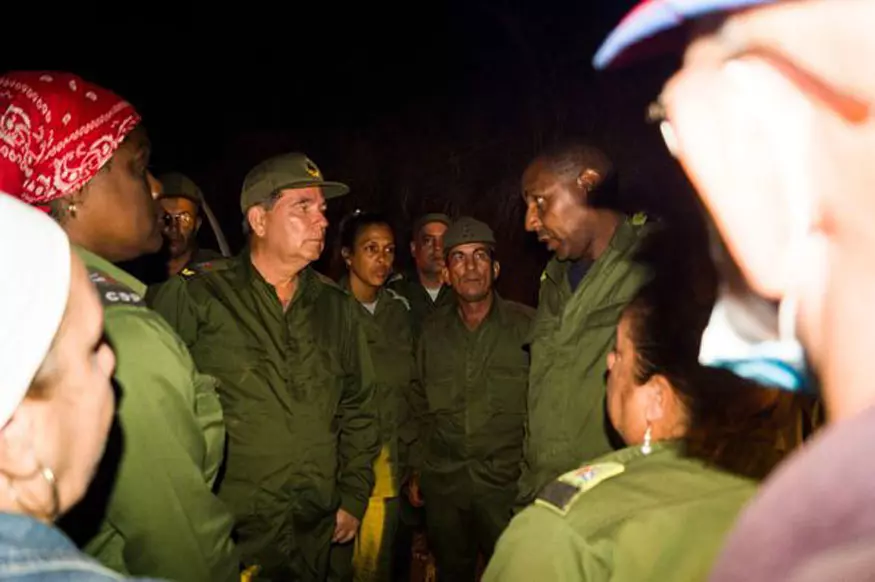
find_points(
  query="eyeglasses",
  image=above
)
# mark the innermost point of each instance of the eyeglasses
(184, 219)
(851, 108)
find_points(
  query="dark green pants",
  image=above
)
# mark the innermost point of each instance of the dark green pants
(297, 553)
(463, 523)
(411, 520)
(369, 557)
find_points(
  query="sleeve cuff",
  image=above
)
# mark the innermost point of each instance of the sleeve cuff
(353, 506)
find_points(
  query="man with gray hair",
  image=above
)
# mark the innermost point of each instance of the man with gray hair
(296, 377)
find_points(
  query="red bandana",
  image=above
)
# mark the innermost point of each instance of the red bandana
(56, 132)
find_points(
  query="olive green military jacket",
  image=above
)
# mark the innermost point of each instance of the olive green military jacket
(162, 519)
(390, 345)
(421, 304)
(469, 397)
(571, 338)
(296, 387)
(625, 517)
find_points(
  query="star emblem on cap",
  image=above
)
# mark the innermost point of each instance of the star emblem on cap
(312, 169)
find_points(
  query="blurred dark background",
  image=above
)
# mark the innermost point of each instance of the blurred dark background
(419, 107)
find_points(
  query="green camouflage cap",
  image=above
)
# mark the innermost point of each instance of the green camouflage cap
(178, 185)
(466, 230)
(294, 170)
(428, 219)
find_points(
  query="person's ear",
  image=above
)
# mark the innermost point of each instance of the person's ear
(17, 456)
(658, 393)
(445, 276)
(257, 217)
(588, 179)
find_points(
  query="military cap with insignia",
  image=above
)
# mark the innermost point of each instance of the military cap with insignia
(178, 185)
(465, 230)
(292, 170)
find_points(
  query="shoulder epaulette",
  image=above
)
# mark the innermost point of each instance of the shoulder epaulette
(328, 281)
(114, 293)
(398, 297)
(196, 269)
(560, 495)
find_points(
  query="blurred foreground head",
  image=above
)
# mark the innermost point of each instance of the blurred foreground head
(771, 116)
(56, 401)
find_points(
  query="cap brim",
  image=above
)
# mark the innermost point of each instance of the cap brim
(329, 189)
(656, 26)
(334, 189)
(165, 195)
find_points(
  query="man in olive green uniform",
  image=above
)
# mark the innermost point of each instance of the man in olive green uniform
(605, 521)
(296, 378)
(182, 204)
(583, 291)
(469, 405)
(426, 292)
(425, 289)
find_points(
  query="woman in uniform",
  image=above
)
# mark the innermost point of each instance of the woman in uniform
(697, 442)
(80, 153)
(367, 250)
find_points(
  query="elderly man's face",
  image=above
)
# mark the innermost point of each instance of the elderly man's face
(294, 228)
(471, 271)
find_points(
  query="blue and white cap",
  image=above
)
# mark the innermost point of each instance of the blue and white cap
(657, 26)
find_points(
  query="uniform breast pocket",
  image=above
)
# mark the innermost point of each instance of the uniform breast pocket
(317, 376)
(441, 393)
(507, 389)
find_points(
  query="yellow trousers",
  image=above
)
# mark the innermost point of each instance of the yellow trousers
(369, 557)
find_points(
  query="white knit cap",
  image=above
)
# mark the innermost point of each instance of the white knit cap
(35, 255)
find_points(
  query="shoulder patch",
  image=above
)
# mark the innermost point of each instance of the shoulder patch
(113, 293)
(560, 495)
(399, 297)
(196, 269)
(639, 218)
(543, 275)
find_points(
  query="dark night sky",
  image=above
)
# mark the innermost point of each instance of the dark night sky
(418, 106)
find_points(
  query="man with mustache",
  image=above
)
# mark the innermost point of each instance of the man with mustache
(469, 406)
(296, 378)
(569, 193)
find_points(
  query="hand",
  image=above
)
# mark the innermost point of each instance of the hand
(414, 494)
(345, 527)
